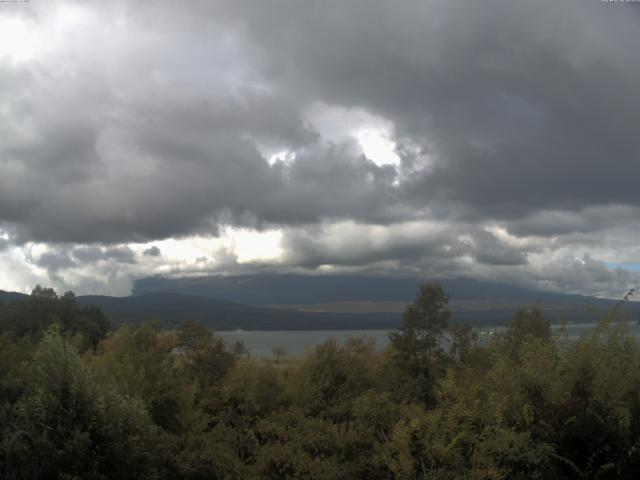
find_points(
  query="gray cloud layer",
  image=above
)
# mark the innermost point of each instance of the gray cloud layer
(157, 122)
(521, 106)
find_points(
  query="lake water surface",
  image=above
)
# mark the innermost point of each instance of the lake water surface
(260, 342)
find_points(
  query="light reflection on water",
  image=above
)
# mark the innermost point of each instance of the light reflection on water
(260, 342)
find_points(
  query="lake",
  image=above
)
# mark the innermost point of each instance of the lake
(260, 342)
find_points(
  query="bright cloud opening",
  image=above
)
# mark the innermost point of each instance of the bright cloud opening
(17, 41)
(252, 246)
(377, 146)
(373, 133)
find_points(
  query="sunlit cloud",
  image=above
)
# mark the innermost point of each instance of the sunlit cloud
(19, 41)
(151, 139)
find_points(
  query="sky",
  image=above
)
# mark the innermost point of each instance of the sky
(426, 138)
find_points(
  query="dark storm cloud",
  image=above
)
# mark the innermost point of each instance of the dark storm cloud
(54, 261)
(63, 257)
(335, 182)
(315, 246)
(586, 274)
(92, 254)
(489, 250)
(168, 165)
(516, 105)
(520, 105)
(584, 221)
(153, 251)
(404, 244)
(154, 122)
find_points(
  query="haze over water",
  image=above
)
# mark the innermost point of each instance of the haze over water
(296, 343)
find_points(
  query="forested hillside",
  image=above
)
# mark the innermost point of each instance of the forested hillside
(171, 310)
(481, 302)
(326, 302)
(139, 402)
(274, 289)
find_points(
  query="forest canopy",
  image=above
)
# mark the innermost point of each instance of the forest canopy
(140, 402)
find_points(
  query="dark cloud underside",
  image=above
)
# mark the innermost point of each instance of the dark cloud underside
(146, 123)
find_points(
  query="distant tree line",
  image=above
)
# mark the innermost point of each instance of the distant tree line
(139, 402)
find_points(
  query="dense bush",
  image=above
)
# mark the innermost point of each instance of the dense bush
(143, 403)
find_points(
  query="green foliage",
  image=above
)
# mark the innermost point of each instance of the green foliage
(525, 324)
(329, 381)
(152, 404)
(140, 362)
(32, 316)
(417, 345)
(205, 357)
(423, 323)
(82, 429)
(463, 342)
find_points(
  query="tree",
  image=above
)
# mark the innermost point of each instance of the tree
(44, 292)
(463, 339)
(205, 355)
(140, 362)
(525, 324)
(81, 427)
(423, 323)
(239, 349)
(417, 345)
(32, 315)
(279, 352)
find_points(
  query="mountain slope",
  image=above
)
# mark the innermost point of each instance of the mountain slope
(307, 290)
(6, 297)
(479, 302)
(173, 309)
(296, 302)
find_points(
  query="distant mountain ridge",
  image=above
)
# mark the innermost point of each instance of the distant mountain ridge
(296, 302)
(171, 310)
(305, 289)
(475, 301)
(10, 296)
